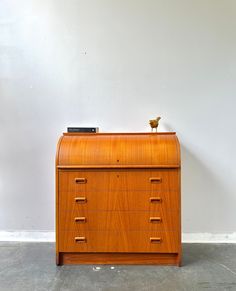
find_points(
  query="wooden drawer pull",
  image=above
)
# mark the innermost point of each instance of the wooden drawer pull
(155, 219)
(155, 199)
(80, 219)
(80, 180)
(155, 240)
(80, 199)
(155, 180)
(80, 239)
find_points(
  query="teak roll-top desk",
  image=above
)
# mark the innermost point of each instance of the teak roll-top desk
(118, 199)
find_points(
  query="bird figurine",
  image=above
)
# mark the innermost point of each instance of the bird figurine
(154, 123)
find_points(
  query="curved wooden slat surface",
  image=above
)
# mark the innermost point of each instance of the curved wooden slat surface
(104, 150)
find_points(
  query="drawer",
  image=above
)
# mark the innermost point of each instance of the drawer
(119, 220)
(110, 180)
(118, 241)
(151, 200)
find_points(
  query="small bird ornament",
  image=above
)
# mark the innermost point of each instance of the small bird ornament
(154, 123)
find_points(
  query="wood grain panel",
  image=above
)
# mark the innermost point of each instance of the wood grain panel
(109, 180)
(119, 220)
(119, 148)
(119, 200)
(120, 258)
(119, 241)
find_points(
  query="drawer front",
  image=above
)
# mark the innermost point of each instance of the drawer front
(118, 241)
(119, 220)
(110, 180)
(151, 200)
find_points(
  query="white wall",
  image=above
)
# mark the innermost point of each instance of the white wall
(115, 64)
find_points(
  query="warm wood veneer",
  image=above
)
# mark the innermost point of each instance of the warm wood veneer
(82, 220)
(118, 198)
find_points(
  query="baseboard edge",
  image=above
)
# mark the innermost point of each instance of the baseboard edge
(49, 236)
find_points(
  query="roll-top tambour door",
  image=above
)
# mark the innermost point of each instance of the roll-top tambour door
(119, 149)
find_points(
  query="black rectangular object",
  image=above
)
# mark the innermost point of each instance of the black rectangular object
(82, 129)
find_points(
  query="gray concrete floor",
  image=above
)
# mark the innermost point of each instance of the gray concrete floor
(31, 266)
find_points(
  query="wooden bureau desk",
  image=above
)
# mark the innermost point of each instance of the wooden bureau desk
(118, 199)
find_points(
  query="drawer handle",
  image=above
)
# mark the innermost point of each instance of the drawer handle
(155, 219)
(155, 240)
(80, 180)
(155, 199)
(155, 180)
(80, 239)
(80, 219)
(80, 199)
